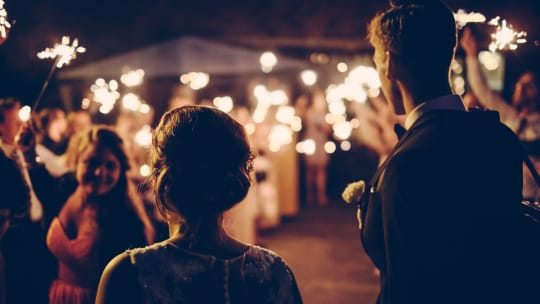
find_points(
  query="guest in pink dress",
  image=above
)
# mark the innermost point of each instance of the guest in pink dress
(100, 219)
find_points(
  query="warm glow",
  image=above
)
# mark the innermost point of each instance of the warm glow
(342, 67)
(85, 103)
(250, 128)
(337, 108)
(309, 77)
(307, 147)
(342, 130)
(329, 147)
(505, 37)
(105, 94)
(296, 124)
(144, 108)
(490, 60)
(224, 103)
(285, 114)
(144, 170)
(268, 60)
(25, 113)
(195, 80)
(345, 145)
(131, 102)
(462, 18)
(365, 76)
(350, 91)
(279, 136)
(143, 137)
(4, 23)
(63, 52)
(132, 78)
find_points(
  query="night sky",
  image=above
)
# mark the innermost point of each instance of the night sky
(295, 28)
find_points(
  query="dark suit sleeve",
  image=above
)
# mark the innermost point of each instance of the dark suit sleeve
(51, 191)
(418, 210)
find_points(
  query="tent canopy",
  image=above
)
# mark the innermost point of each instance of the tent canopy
(179, 56)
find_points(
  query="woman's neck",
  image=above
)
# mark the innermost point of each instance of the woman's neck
(205, 235)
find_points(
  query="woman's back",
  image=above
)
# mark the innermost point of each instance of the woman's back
(166, 273)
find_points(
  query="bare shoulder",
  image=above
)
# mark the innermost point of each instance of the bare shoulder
(118, 283)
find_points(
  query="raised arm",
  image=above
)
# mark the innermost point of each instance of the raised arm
(478, 83)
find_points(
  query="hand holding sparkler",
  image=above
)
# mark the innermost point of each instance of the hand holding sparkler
(468, 43)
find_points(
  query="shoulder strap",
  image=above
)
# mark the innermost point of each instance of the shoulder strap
(531, 168)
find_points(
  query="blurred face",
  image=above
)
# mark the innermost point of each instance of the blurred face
(80, 122)
(388, 86)
(58, 126)
(525, 91)
(11, 124)
(98, 171)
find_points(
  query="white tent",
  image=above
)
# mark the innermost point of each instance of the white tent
(182, 55)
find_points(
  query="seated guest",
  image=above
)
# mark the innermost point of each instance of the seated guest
(201, 164)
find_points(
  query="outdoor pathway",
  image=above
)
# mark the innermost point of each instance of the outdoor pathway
(323, 248)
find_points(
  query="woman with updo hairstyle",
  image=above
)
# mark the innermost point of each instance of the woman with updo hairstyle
(201, 164)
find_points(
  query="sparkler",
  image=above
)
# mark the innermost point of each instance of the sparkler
(505, 37)
(62, 54)
(4, 23)
(462, 18)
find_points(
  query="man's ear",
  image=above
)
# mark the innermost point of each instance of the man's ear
(395, 70)
(391, 65)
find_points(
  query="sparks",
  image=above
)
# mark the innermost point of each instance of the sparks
(63, 52)
(505, 37)
(462, 18)
(4, 23)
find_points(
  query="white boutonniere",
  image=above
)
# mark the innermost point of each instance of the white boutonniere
(353, 193)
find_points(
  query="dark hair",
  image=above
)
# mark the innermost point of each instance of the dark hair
(15, 191)
(7, 104)
(120, 214)
(201, 162)
(103, 137)
(422, 33)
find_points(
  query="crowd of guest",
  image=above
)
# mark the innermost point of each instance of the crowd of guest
(80, 224)
(86, 202)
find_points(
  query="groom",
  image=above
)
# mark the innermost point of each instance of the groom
(440, 220)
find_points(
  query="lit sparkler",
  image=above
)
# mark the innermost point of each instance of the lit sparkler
(62, 54)
(4, 23)
(462, 18)
(505, 37)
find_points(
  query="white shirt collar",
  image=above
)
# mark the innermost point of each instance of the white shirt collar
(446, 102)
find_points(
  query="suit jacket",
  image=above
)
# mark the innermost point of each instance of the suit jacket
(441, 217)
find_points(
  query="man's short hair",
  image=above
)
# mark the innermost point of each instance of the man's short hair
(422, 33)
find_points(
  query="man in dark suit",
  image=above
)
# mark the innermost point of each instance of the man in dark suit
(441, 216)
